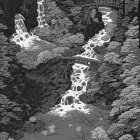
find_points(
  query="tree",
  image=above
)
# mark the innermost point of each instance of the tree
(26, 60)
(116, 130)
(112, 58)
(99, 134)
(131, 77)
(13, 106)
(46, 55)
(130, 45)
(133, 31)
(114, 46)
(126, 137)
(4, 135)
(131, 7)
(8, 110)
(127, 108)
(130, 50)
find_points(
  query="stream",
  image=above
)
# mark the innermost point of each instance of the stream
(80, 76)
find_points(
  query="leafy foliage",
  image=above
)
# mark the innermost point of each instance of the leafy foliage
(76, 14)
(129, 97)
(99, 133)
(129, 115)
(113, 45)
(115, 130)
(112, 57)
(131, 7)
(27, 61)
(126, 21)
(117, 79)
(133, 32)
(8, 110)
(3, 135)
(130, 45)
(13, 107)
(127, 108)
(131, 77)
(126, 137)
(70, 40)
(4, 60)
(30, 127)
(48, 55)
(131, 51)
(119, 35)
(106, 80)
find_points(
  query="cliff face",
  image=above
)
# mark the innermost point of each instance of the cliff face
(25, 7)
(47, 83)
(29, 11)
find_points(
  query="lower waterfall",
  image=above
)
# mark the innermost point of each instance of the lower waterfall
(79, 83)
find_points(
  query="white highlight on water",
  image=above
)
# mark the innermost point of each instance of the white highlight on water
(22, 37)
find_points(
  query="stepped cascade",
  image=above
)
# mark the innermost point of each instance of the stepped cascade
(79, 80)
(70, 100)
(80, 76)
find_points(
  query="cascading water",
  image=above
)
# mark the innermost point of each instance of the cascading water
(80, 77)
(79, 82)
(70, 100)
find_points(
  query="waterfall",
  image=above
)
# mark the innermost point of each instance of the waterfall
(80, 76)
(70, 100)
(79, 82)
